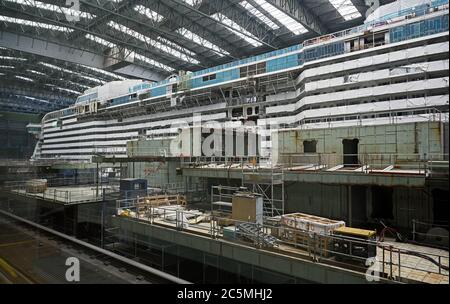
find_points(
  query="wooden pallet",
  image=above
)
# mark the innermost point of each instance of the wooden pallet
(320, 244)
(145, 203)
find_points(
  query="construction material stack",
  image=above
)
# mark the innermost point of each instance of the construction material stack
(308, 230)
(132, 188)
(36, 186)
(247, 207)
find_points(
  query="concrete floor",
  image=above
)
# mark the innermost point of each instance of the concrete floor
(29, 258)
(66, 195)
(411, 267)
(416, 268)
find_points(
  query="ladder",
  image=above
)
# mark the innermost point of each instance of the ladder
(253, 232)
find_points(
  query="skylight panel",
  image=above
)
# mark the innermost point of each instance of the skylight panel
(54, 8)
(12, 58)
(99, 40)
(24, 78)
(201, 41)
(193, 2)
(64, 89)
(163, 44)
(103, 72)
(75, 83)
(255, 12)
(152, 15)
(35, 24)
(37, 73)
(54, 67)
(290, 23)
(36, 99)
(137, 56)
(237, 29)
(152, 62)
(346, 8)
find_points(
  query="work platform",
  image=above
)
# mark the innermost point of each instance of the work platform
(297, 262)
(65, 195)
(310, 175)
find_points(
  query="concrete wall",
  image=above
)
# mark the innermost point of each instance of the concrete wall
(332, 201)
(412, 138)
(157, 173)
(16, 142)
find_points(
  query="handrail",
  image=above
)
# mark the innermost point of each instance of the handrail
(390, 268)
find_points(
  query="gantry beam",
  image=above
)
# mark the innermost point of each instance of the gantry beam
(66, 52)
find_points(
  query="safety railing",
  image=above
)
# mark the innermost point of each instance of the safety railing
(423, 164)
(387, 261)
(69, 195)
(430, 233)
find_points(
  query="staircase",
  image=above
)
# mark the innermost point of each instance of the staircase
(253, 232)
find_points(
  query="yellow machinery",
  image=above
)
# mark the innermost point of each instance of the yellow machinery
(354, 243)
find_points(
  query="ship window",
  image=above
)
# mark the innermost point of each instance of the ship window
(253, 69)
(249, 111)
(209, 77)
(236, 112)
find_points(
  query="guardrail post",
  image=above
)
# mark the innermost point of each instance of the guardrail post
(315, 247)
(439, 260)
(390, 261)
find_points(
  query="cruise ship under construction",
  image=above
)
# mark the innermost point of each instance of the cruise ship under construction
(323, 162)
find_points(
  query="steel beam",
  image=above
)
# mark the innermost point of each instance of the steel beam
(300, 13)
(62, 51)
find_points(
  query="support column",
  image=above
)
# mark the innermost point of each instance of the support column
(349, 195)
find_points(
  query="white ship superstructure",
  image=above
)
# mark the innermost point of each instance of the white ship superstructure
(391, 70)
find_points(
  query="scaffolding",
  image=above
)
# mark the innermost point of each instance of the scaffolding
(270, 185)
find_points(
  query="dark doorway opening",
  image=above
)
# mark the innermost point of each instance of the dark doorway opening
(310, 146)
(350, 151)
(359, 204)
(440, 207)
(382, 203)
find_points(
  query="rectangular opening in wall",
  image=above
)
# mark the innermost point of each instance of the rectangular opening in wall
(382, 203)
(350, 148)
(310, 146)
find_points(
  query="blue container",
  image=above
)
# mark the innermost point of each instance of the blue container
(131, 188)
